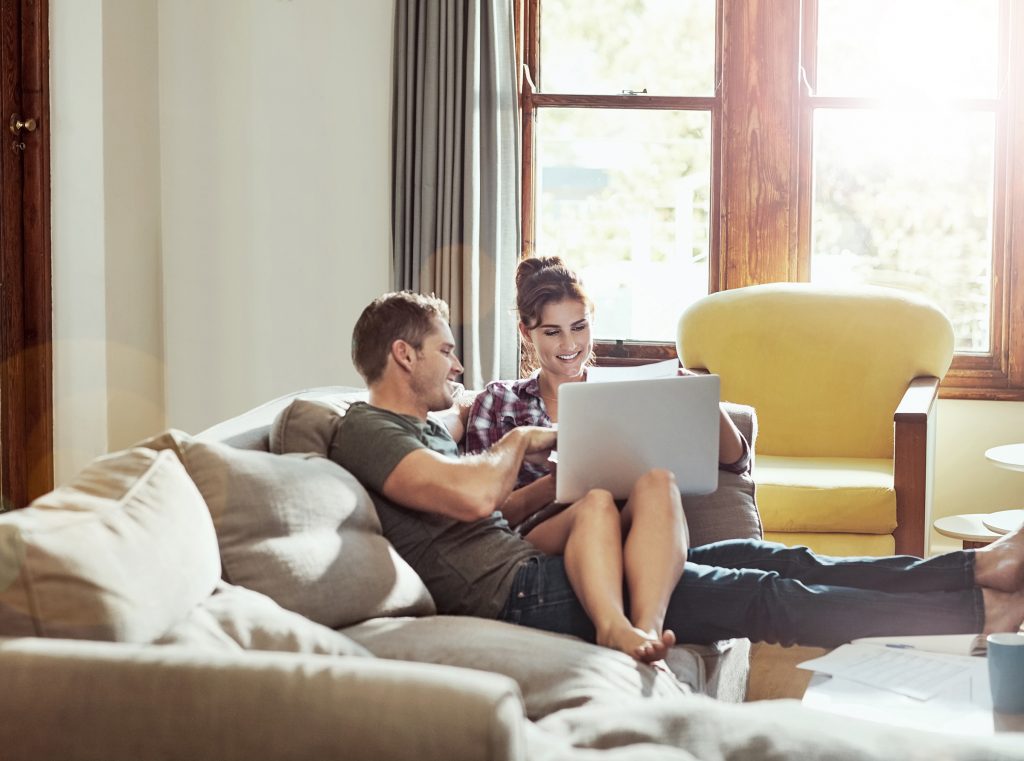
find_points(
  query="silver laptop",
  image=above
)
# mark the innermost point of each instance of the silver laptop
(609, 434)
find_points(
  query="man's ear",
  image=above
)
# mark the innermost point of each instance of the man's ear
(403, 353)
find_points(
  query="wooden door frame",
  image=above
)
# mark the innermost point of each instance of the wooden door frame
(26, 316)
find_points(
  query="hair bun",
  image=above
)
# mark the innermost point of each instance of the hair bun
(534, 265)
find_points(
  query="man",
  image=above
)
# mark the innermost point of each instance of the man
(440, 511)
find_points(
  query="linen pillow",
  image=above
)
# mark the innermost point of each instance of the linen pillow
(122, 553)
(309, 425)
(236, 618)
(301, 530)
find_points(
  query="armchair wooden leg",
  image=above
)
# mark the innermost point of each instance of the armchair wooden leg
(911, 453)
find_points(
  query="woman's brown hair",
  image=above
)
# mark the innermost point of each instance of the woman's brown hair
(543, 280)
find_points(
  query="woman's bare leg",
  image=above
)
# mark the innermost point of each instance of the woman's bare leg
(589, 534)
(654, 552)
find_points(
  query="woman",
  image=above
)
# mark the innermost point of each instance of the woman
(554, 321)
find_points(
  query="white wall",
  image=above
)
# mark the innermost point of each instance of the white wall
(965, 482)
(131, 171)
(78, 233)
(220, 206)
(274, 121)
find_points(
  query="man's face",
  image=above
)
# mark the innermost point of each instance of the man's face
(436, 368)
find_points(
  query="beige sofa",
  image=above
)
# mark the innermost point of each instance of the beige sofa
(202, 598)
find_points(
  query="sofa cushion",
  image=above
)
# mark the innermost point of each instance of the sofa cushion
(827, 494)
(554, 671)
(236, 618)
(121, 553)
(301, 530)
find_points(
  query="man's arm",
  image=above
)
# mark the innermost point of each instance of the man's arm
(467, 488)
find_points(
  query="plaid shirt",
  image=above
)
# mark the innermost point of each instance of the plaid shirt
(499, 408)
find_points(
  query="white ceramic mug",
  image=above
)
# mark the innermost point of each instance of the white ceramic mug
(1006, 671)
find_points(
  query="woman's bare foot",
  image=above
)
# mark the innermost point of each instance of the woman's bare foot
(645, 646)
(1000, 565)
(1004, 611)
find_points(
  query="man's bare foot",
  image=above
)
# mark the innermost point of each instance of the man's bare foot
(1004, 611)
(1000, 565)
(646, 647)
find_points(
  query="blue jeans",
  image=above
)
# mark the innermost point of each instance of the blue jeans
(773, 593)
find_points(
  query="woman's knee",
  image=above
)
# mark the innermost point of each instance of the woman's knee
(656, 490)
(596, 504)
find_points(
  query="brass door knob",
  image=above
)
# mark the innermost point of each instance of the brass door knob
(17, 125)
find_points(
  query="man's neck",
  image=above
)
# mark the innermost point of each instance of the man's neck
(399, 400)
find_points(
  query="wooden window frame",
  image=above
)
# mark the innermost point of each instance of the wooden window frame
(761, 171)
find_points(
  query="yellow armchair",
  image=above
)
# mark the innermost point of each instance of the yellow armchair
(844, 382)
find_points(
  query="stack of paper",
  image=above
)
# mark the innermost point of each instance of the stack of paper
(894, 666)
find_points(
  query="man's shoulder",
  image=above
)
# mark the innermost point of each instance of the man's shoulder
(363, 418)
(384, 425)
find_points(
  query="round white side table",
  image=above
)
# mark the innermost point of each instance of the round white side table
(1009, 456)
(968, 528)
(1004, 521)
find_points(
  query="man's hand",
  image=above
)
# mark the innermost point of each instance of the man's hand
(539, 438)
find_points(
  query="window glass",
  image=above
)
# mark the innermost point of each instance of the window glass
(907, 48)
(623, 197)
(664, 46)
(904, 199)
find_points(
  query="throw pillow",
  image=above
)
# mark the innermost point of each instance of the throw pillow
(236, 618)
(308, 425)
(301, 530)
(122, 553)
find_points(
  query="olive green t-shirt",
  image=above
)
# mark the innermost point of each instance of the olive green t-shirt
(468, 567)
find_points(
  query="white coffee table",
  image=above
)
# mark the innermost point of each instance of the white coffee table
(963, 708)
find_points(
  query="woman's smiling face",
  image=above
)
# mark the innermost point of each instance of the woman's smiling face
(561, 338)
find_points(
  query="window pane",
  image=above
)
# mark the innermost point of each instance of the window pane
(934, 48)
(623, 197)
(665, 46)
(905, 200)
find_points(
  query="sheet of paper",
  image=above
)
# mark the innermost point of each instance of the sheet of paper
(664, 369)
(914, 673)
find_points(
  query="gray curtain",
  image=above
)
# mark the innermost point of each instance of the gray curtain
(455, 165)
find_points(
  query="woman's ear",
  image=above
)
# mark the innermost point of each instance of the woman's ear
(525, 333)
